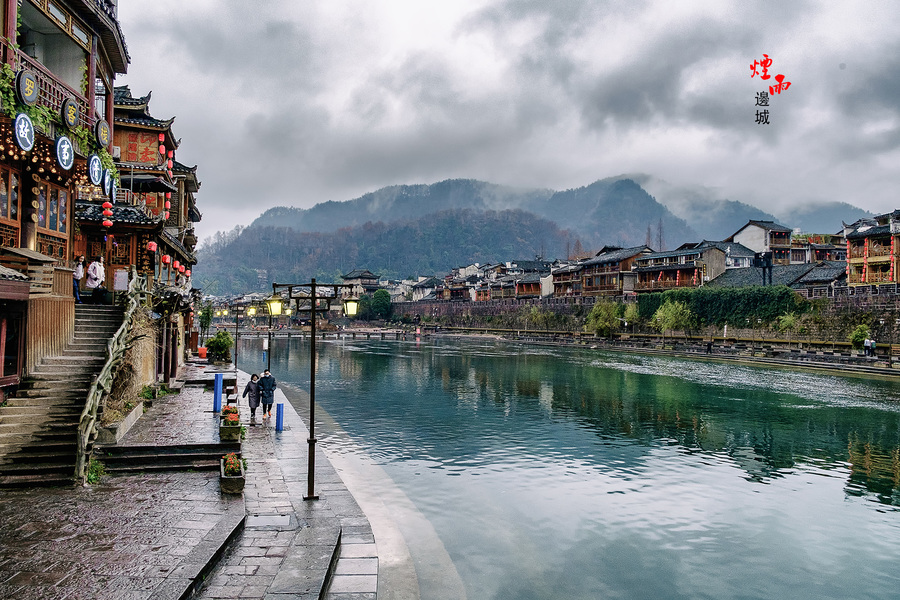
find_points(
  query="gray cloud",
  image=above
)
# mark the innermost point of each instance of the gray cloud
(296, 103)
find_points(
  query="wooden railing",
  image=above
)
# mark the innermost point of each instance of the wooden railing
(664, 284)
(116, 348)
(62, 281)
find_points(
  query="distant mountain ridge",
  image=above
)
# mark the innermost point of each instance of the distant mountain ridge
(405, 230)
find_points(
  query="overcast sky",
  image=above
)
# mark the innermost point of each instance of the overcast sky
(288, 102)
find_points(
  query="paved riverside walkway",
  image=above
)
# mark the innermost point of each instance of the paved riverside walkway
(162, 535)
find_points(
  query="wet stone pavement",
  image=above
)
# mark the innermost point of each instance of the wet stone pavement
(167, 534)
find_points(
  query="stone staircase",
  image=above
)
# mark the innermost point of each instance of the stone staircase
(39, 425)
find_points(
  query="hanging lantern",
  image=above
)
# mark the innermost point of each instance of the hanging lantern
(107, 213)
(171, 154)
(107, 204)
(166, 215)
(181, 269)
(162, 149)
(107, 223)
(187, 273)
(168, 205)
(168, 195)
(151, 246)
(162, 137)
(176, 264)
(166, 259)
(169, 163)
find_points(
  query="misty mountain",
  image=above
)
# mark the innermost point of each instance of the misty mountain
(594, 213)
(250, 259)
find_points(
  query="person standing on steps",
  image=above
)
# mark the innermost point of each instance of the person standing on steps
(77, 274)
(252, 390)
(267, 393)
(96, 274)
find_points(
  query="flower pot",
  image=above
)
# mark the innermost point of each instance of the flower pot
(229, 433)
(230, 484)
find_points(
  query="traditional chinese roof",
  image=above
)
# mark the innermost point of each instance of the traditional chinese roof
(122, 97)
(427, 283)
(573, 268)
(615, 256)
(92, 212)
(768, 225)
(172, 240)
(8, 274)
(144, 182)
(683, 251)
(359, 274)
(823, 273)
(867, 231)
(781, 275)
(732, 249)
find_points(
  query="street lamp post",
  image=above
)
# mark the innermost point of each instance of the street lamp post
(350, 306)
(274, 304)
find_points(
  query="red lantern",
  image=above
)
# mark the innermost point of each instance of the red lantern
(166, 259)
(171, 154)
(176, 264)
(107, 213)
(107, 223)
(188, 274)
(168, 195)
(162, 137)
(151, 246)
(181, 269)
(169, 163)
(162, 149)
(107, 204)
(166, 216)
(168, 205)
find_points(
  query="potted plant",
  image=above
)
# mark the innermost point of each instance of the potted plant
(230, 427)
(231, 474)
(230, 409)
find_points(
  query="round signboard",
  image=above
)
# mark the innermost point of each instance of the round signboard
(107, 182)
(27, 87)
(65, 152)
(24, 132)
(102, 132)
(70, 113)
(95, 169)
(113, 189)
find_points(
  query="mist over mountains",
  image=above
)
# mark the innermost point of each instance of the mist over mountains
(408, 230)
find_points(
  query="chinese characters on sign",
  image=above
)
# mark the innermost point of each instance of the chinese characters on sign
(761, 68)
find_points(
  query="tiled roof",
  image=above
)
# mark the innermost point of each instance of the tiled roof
(8, 274)
(669, 253)
(732, 249)
(122, 97)
(781, 275)
(176, 244)
(569, 269)
(769, 225)
(146, 121)
(823, 272)
(122, 213)
(427, 283)
(359, 274)
(869, 232)
(616, 256)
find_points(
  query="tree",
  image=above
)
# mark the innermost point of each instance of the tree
(672, 315)
(787, 323)
(859, 336)
(381, 304)
(603, 318)
(632, 313)
(206, 315)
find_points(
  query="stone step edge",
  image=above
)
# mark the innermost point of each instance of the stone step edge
(199, 563)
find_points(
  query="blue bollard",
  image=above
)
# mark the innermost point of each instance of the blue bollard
(217, 394)
(279, 417)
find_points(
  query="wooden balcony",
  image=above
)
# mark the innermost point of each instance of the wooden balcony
(664, 284)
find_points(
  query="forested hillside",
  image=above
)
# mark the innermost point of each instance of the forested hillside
(425, 246)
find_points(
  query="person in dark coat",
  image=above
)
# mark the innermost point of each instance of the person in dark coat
(252, 390)
(267, 393)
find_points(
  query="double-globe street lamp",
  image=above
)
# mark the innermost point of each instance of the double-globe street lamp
(351, 305)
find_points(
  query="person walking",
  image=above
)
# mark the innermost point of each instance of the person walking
(96, 274)
(77, 274)
(267, 393)
(252, 390)
(872, 347)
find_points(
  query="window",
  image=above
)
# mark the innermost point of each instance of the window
(53, 207)
(9, 194)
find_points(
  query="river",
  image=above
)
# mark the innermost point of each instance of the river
(578, 473)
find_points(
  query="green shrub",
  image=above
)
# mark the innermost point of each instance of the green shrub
(859, 336)
(219, 346)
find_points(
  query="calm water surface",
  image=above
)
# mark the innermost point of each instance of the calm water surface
(574, 473)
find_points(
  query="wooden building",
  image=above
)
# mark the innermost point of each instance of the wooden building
(872, 250)
(691, 265)
(765, 236)
(63, 56)
(606, 273)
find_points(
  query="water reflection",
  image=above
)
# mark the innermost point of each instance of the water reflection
(643, 476)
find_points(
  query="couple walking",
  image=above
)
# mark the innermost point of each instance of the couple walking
(261, 390)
